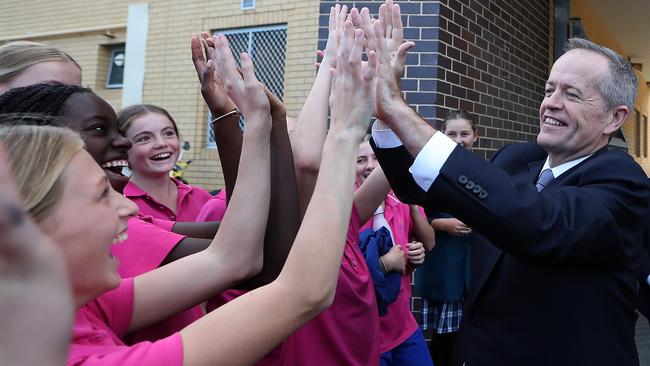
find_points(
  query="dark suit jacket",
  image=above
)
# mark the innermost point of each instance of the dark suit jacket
(644, 272)
(554, 275)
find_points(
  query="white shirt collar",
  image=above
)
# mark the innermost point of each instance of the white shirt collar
(560, 169)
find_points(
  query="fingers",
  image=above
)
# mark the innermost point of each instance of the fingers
(208, 38)
(382, 18)
(380, 47)
(356, 52)
(208, 72)
(388, 20)
(197, 56)
(347, 41)
(416, 253)
(341, 18)
(364, 22)
(397, 25)
(247, 69)
(334, 10)
(223, 54)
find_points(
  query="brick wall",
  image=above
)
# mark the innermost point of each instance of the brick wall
(489, 57)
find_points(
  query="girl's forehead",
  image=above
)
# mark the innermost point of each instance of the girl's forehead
(458, 123)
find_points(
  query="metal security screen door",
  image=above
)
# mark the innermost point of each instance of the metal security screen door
(267, 46)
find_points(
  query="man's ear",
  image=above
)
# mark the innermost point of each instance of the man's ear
(618, 116)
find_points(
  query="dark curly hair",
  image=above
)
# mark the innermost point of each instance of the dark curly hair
(44, 99)
(27, 119)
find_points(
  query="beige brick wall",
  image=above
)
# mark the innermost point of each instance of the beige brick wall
(78, 27)
(597, 32)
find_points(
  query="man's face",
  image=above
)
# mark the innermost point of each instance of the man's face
(573, 119)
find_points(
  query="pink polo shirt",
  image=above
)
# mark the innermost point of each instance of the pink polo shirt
(398, 324)
(101, 323)
(348, 332)
(190, 201)
(214, 209)
(150, 241)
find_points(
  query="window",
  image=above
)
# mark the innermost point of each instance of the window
(267, 46)
(115, 67)
(247, 4)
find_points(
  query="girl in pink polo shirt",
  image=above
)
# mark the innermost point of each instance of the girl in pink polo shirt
(151, 242)
(83, 198)
(401, 340)
(156, 146)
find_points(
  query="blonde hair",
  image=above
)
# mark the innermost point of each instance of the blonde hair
(19, 55)
(38, 155)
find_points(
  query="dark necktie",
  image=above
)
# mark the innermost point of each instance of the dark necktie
(544, 179)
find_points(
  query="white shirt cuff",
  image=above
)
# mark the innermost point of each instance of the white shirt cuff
(648, 280)
(430, 159)
(384, 137)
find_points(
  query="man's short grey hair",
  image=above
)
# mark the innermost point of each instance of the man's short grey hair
(619, 86)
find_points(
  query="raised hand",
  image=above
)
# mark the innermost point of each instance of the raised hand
(212, 88)
(338, 16)
(35, 296)
(353, 96)
(390, 16)
(390, 37)
(244, 89)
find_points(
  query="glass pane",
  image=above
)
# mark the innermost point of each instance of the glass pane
(116, 71)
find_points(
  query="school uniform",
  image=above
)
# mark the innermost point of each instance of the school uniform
(348, 332)
(150, 241)
(99, 327)
(189, 203)
(214, 209)
(399, 325)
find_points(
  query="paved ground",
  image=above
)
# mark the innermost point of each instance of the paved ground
(643, 340)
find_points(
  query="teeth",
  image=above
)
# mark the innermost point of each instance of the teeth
(120, 237)
(161, 156)
(553, 122)
(116, 163)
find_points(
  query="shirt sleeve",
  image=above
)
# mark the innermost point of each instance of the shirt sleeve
(384, 137)
(165, 352)
(430, 159)
(214, 209)
(165, 224)
(648, 280)
(145, 249)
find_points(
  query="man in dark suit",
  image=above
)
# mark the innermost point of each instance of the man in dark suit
(554, 275)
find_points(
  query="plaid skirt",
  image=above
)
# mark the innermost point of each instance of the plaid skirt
(443, 317)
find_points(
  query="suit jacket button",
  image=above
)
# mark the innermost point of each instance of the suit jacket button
(477, 189)
(462, 179)
(470, 185)
(483, 195)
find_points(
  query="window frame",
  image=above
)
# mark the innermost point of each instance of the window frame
(242, 7)
(114, 49)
